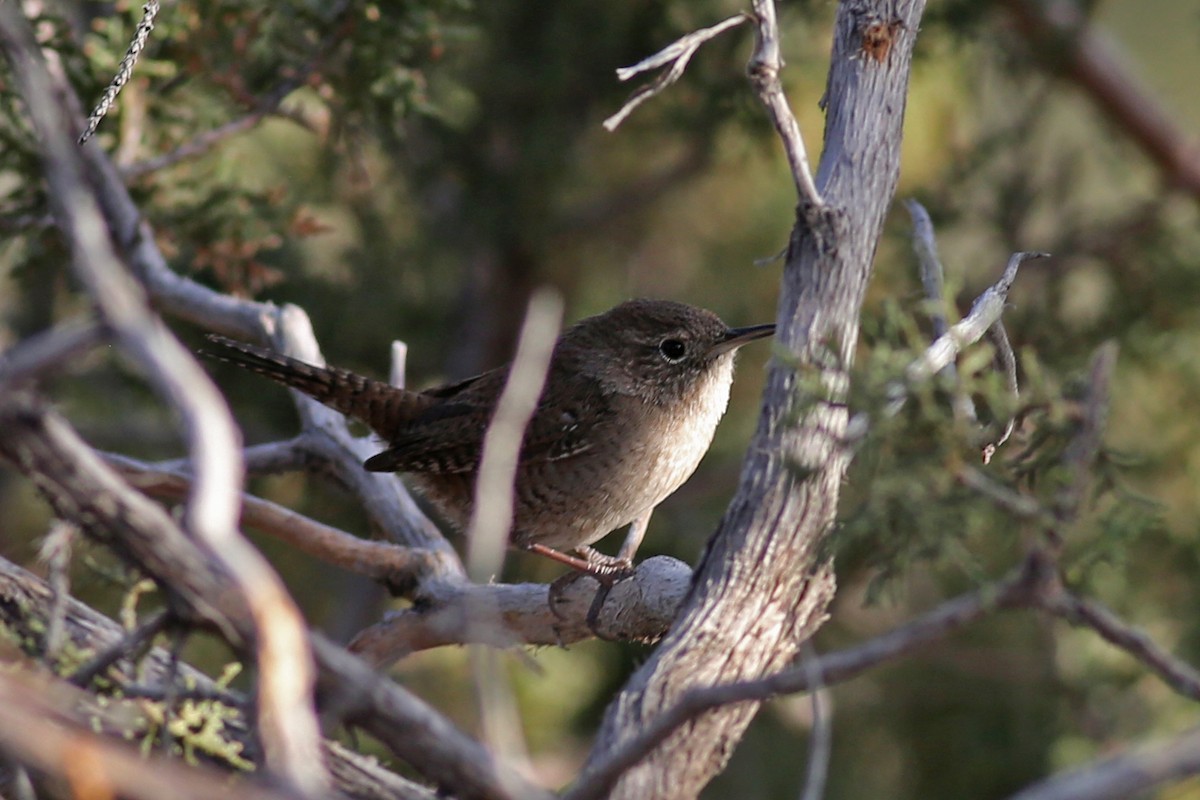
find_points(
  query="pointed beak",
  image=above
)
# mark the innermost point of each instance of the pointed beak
(736, 337)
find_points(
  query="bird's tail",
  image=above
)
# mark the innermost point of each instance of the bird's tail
(381, 406)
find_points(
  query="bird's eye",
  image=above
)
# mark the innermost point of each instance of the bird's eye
(672, 349)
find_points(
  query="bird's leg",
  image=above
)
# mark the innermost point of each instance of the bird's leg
(633, 539)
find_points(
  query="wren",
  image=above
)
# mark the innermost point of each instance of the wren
(631, 401)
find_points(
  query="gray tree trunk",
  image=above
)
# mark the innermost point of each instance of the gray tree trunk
(762, 587)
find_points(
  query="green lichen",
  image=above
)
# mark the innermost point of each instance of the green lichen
(197, 727)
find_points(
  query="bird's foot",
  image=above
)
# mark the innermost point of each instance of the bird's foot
(608, 570)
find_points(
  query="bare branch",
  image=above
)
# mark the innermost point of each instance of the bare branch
(381, 561)
(38, 354)
(764, 69)
(1008, 363)
(414, 731)
(984, 313)
(929, 267)
(492, 511)
(640, 608)
(1079, 611)
(1123, 776)
(287, 721)
(676, 56)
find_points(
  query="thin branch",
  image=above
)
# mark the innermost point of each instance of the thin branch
(48, 350)
(763, 70)
(984, 313)
(820, 746)
(929, 267)
(414, 731)
(492, 510)
(1008, 364)
(1123, 776)
(1079, 611)
(675, 56)
(124, 71)
(381, 561)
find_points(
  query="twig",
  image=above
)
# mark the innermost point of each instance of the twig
(1008, 364)
(492, 510)
(56, 553)
(1012, 502)
(124, 70)
(820, 746)
(41, 353)
(1123, 776)
(1177, 674)
(139, 639)
(929, 267)
(397, 566)
(676, 55)
(984, 312)
(763, 70)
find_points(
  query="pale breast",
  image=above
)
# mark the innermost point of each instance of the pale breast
(656, 452)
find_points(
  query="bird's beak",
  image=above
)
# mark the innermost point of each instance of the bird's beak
(736, 337)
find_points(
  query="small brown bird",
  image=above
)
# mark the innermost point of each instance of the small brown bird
(631, 401)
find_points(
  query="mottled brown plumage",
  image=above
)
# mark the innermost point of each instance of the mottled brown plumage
(632, 399)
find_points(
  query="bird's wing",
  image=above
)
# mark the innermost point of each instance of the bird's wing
(448, 438)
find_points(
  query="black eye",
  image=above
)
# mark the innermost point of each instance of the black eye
(672, 349)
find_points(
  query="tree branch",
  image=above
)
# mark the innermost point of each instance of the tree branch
(287, 722)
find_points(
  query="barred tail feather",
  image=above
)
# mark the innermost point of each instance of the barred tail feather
(381, 406)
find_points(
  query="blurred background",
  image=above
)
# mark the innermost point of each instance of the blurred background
(433, 162)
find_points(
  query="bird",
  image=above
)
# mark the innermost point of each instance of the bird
(631, 401)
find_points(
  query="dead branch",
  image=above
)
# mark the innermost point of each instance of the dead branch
(287, 722)
(1125, 775)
